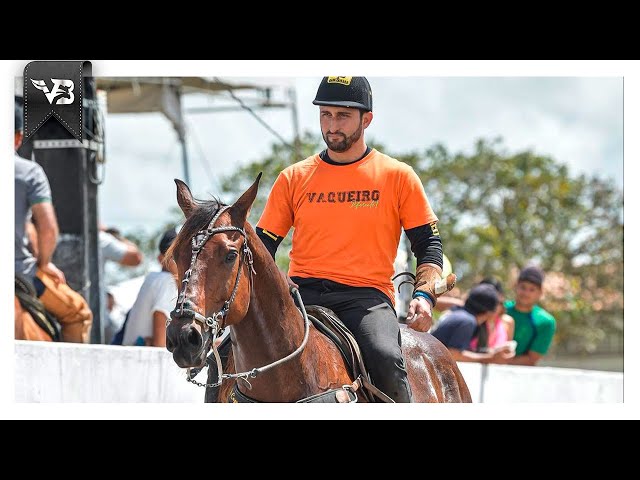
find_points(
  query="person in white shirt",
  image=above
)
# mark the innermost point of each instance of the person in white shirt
(146, 324)
(114, 248)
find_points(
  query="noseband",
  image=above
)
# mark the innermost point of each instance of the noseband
(216, 321)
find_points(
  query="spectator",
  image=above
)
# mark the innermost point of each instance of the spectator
(147, 320)
(116, 317)
(461, 325)
(494, 332)
(116, 248)
(534, 326)
(498, 330)
(33, 196)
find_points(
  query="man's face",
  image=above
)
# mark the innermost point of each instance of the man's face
(527, 294)
(342, 127)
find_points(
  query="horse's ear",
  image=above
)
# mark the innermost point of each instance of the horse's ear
(240, 209)
(185, 198)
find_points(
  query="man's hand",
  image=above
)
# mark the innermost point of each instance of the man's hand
(501, 354)
(54, 272)
(289, 281)
(419, 316)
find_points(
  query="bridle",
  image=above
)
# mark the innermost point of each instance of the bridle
(216, 321)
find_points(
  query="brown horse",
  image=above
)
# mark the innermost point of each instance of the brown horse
(231, 280)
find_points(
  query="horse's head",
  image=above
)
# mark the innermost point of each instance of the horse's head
(215, 265)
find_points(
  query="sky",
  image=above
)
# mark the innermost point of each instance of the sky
(576, 120)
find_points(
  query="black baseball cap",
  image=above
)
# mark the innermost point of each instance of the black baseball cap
(532, 274)
(167, 239)
(492, 281)
(345, 92)
(482, 298)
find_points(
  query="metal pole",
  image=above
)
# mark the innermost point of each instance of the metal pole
(185, 158)
(296, 125)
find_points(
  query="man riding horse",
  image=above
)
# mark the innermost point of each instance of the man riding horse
(347, 205)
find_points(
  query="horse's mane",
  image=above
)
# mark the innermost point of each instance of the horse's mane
(198, 220)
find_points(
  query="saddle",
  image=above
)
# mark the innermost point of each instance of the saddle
(330, 325)
(29, 301)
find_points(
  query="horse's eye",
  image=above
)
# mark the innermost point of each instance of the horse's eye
(231, 256)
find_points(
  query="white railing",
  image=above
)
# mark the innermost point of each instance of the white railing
(66, 372)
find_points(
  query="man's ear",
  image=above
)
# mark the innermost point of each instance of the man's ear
(367, 118)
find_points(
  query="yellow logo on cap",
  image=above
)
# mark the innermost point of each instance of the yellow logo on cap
(341, 80)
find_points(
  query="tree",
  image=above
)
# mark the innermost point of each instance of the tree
(500, 211)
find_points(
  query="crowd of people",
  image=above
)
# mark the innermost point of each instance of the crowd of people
(371, 197)
(486, 328)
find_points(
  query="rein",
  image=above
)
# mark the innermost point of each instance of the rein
(253, 373)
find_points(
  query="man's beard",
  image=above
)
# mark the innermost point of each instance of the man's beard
(345, 143)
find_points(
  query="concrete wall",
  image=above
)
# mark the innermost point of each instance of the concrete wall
(64, 372)
(516, 384)
(67, 372)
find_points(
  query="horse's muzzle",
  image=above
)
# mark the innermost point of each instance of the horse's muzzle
(186, 342)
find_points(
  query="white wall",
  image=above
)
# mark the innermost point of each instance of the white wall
(517, 384)
(66, 372)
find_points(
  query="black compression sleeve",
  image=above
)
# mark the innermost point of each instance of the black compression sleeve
(270, 240)
(426, 244)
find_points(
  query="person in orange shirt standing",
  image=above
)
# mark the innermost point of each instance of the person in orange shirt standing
(347, 205)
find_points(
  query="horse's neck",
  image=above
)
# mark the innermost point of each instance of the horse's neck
(273, 326)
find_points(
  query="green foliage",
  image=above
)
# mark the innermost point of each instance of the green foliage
(500, 211)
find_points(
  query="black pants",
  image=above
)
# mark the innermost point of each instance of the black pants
(370, 316)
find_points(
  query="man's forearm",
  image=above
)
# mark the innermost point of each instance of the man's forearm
(47, 241)
(526, 359)
(446, 302)
(468, 356)
(159, 338)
